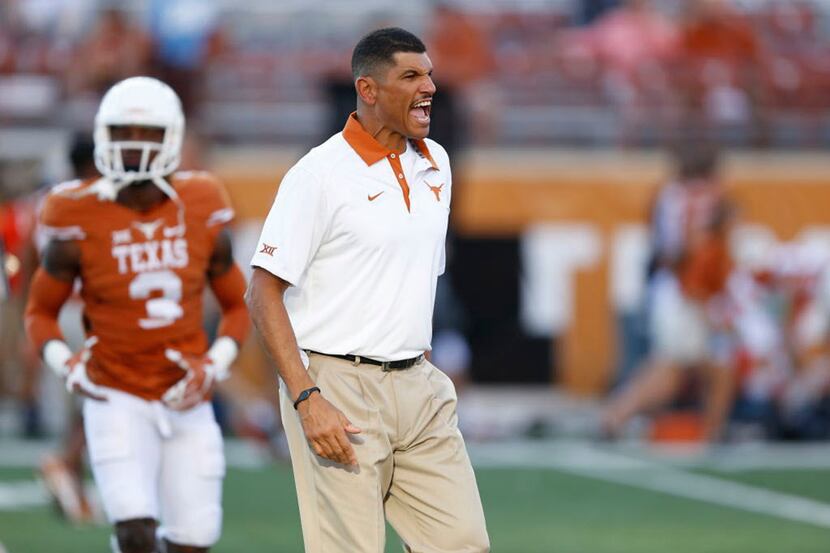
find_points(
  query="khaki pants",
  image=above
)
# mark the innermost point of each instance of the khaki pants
(413, 466)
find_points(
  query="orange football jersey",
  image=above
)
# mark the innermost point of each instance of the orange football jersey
(706, 262)
(143, 275)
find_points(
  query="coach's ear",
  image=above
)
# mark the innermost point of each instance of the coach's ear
(367, 89)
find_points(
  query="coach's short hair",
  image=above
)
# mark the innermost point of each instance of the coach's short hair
(379, 47)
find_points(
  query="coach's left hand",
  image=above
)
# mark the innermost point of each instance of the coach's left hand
(326, 429)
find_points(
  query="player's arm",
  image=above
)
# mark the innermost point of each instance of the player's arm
(228, 286)
(50, 288)
(324, 424)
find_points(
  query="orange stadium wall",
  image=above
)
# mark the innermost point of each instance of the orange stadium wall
(505, 193)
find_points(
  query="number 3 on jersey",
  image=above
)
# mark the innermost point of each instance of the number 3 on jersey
(164, 310)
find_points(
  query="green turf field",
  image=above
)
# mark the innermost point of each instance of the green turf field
(528, 511)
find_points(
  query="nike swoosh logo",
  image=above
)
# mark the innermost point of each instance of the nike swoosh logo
(373, 198)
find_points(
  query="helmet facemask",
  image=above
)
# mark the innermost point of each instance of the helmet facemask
(142, 102)
(157, 159)
(139, 102)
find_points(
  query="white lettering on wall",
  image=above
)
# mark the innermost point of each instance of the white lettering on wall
(553, 253)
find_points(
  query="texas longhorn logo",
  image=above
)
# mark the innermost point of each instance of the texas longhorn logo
(148, 229)
(436, 190)
(266, 249)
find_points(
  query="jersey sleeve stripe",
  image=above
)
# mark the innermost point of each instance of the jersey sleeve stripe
(74, 232)
(220, 216)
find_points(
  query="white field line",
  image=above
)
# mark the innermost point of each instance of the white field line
(752, 456)
(739, 457)
(619, 466)
(23, 494)
(592, 462)
(15, 453)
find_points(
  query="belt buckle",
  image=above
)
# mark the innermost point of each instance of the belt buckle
(386, 367)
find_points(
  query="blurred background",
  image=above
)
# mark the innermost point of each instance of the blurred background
(636, 309)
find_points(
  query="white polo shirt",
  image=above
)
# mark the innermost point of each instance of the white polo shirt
(359, 232)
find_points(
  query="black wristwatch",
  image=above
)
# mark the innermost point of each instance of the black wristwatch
(304, 395)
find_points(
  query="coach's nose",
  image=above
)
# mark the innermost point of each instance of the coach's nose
(428, 86)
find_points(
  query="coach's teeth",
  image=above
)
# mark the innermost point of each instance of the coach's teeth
(425, 106)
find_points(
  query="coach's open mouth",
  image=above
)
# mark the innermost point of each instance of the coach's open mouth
(420, 110)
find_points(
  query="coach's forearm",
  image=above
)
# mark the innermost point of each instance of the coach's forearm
(265, 304)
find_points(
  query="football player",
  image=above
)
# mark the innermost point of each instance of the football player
(784, 327)
(144, 241)
(62, 471)
(690, 343)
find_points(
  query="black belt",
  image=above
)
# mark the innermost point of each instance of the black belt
(384, 365)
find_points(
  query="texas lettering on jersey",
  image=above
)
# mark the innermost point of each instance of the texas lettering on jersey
(143, 276)
(151, 256)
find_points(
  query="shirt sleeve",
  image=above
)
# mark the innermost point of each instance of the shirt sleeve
(59, 216)
(442, 263)
(294, 228)
(208, 195)
(219, 210)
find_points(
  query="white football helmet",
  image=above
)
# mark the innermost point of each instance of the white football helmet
(146, 102)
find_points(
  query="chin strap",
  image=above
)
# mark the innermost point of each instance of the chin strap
(165, 187)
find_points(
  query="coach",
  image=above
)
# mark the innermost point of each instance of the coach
(342, 294)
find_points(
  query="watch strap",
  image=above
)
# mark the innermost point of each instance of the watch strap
(304, 395)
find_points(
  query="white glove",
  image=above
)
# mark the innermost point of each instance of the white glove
(73, 367)
(201, 371)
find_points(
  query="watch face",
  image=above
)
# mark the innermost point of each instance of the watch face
(304, 395)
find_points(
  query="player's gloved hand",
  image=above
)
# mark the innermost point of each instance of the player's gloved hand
(201, 372)
(197, 381)
(77, 381)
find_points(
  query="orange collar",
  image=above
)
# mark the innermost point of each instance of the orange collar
(370, 150)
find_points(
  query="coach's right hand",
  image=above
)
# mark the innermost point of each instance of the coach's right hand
(327, 429)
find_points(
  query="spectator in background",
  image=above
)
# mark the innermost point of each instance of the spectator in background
(8, 37)
(18, 360)
(459, 46)
(113, 50)
(783, 321)
(25, 45)
(796, 73)
(634, 44)
(689, 340)
(721, 56)
(634, 38)
(186, 35)
(462, 52)
(589, 10)
(713, 31)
